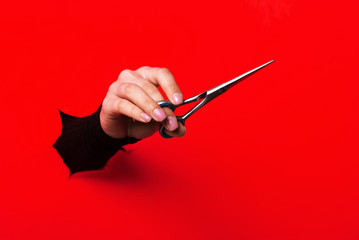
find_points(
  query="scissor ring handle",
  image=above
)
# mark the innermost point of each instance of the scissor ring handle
(165, 103)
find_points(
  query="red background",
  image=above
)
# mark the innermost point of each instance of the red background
(274, 158)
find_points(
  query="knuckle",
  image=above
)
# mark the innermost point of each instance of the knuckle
(124, 73)
(125, 89)
(112, 88)
(164, 71)
(143, 68)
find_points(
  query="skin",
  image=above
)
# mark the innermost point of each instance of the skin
(130, 107)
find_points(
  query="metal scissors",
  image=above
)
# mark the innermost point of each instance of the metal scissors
(206, 97)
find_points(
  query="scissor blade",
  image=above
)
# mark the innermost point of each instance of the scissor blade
(227, 85)
(216, 91)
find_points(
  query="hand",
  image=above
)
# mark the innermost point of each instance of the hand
(130, 107)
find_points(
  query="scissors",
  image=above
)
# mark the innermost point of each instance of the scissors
(206, 97)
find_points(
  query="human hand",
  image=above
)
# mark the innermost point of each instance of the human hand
(130, 107)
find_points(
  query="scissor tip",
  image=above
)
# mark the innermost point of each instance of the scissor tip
(266, 63)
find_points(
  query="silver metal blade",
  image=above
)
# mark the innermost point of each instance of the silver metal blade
(216, 91)
(235, 81)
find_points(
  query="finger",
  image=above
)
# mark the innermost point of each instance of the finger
(179, 132)
(164, 78)
(125, 107)
(171, 123)
(141, 99)
(148, 86)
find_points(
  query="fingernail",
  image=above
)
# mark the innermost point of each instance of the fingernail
(177, 98)
(172, 123)
(159, 114)
(145, 117)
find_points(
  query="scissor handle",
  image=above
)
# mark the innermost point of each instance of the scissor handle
(165, 103)
(162, 130)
